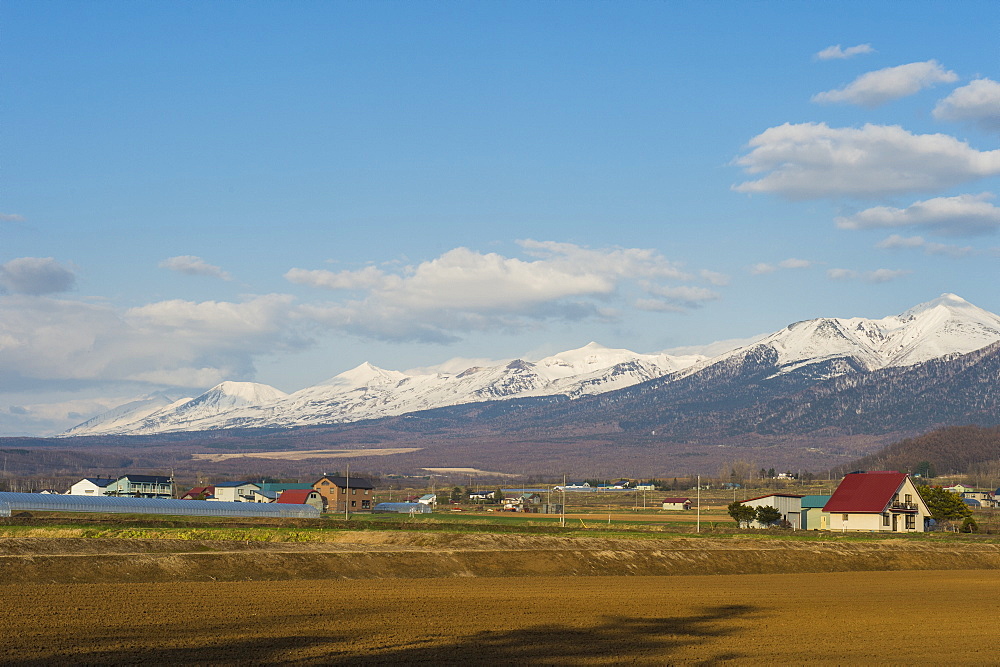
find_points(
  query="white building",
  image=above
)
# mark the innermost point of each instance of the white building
(91, 486)
(788, 505)
(236, 492)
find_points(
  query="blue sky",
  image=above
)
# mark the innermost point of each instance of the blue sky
(195, 192)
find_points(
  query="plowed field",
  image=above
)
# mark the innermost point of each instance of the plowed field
(836, 618)
(406, 598)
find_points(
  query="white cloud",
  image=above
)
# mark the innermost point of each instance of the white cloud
(764, 268)
(369, 277)
(464, 290)
(876, 88)
(11, 217)
(978, 102)
(676, 299)
(837, 53)
(961, 215)
(191, 265)
(35, 276)
(55, 342)
(714, 278)
(813, 160)
(876, 276)
(841, 274)
(897, 242)
(884, 275)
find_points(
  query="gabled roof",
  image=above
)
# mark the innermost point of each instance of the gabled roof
(295, 496)
(342, 482)
(145, 479)
(232, 485)
(865, 492)
(201, 490)
(810, 502)
(676, 500)
(100, 482)
(775, 495)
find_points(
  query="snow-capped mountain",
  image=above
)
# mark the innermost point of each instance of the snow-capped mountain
(812, 350)
(831, 346)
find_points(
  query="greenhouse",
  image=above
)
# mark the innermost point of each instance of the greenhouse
(44, 502)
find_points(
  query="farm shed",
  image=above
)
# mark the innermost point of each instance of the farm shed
(402, 508)
(676, 503)
(788, 504)
(37, 502)
(302, 497)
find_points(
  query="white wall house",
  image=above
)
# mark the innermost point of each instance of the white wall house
(91, 486)
(235, 492)
(884, 502)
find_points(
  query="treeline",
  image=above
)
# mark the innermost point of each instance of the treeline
(969, 450)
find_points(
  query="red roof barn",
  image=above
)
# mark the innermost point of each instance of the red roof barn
(302, 497)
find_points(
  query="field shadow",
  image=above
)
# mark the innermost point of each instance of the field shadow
(613, 639)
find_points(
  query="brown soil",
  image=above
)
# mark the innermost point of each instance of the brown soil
(388, 597)
(834, 618)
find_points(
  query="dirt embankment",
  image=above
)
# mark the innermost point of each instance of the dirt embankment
(373, 555)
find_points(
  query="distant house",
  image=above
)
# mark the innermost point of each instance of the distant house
(959, 489)
(302, 497)
(676, 503)
(342, 494)
(402, 508)
(884, 501)
(429, 499)
(142, 486)
(481, 496)
(789, 505)
(235, 492)
(199, 493)
(91, 486)
(813, 516)
(645, 487)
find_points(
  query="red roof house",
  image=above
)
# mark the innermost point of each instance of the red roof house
(199, 493)
(302, 497)
(882, 501)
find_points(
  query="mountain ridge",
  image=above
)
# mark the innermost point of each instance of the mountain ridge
(800, 355)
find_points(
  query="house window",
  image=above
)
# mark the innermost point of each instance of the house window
(354, 492)
(365, 504)
(885, 519)
(366, 492)
(354, 503)
(909, 498)
(845, 516)
(911, 522)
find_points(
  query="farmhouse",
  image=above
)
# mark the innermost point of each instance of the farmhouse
(91, 486)
(884, 501)
(676, 503)
(342, 493)
(788, 504)
(142, 486)
(235, 492)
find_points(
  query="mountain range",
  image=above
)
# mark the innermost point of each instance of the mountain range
(776, 384)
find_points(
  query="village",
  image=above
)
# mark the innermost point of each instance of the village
(877, 501)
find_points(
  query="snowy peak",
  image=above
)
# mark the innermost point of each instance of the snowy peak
(364, 375)
(228, 395)
(946, 325)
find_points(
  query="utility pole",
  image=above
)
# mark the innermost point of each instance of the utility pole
(347, 491)
(698, 524)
